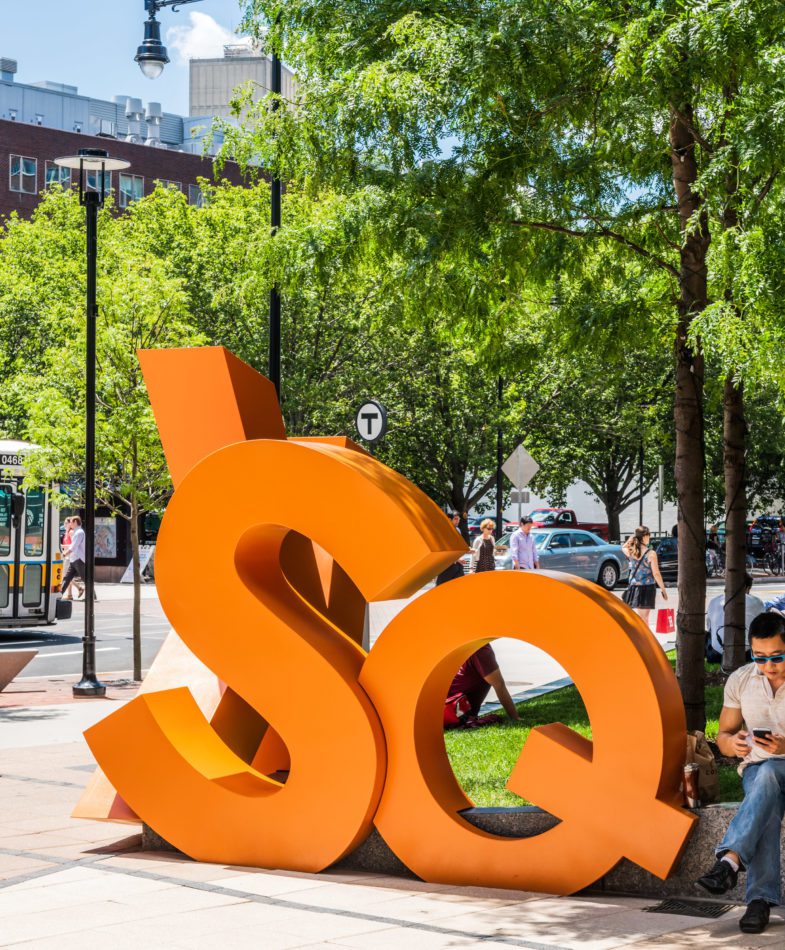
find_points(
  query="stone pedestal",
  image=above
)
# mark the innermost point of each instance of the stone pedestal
(626, 878)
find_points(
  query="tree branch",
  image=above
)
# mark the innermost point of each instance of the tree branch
(690, 127)
(600, 233)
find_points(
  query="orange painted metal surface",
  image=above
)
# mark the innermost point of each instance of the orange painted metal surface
(271, 632)
(283, 685)
(612, 803)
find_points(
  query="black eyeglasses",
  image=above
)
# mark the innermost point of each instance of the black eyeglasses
(777, 658)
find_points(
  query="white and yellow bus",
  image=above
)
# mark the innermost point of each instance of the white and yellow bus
(31, 562)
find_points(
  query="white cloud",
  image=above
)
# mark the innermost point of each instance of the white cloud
(203, 38)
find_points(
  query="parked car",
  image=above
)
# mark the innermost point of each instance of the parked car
(566, 518)
(668, 558)
(575, 552)
(475, 530)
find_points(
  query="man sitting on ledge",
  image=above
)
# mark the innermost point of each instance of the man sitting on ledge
(471, 685)
(752, 726)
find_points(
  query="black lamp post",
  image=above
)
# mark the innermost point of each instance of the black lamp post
(95, 163)
(152, 57)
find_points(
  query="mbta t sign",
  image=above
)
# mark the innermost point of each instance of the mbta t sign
(371, 421)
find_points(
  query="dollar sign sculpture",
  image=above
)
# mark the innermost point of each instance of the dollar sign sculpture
(229, 571)
(364, 734)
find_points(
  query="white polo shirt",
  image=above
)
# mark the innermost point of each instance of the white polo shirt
(749, 690)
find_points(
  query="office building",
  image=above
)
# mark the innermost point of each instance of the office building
(213, 81)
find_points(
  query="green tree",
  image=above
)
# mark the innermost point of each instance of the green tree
(140, 306)
(650, 127)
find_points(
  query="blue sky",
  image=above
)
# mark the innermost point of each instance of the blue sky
(91, 44)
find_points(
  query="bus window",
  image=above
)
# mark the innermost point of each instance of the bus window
(5, 520)
(4, 568)
(34, 523)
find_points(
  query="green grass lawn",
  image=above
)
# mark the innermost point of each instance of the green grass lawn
(482, 759)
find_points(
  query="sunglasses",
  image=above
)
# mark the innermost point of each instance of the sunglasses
(777, 658)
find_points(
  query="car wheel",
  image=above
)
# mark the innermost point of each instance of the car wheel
(609, 575)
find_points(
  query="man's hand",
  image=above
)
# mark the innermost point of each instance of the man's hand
(775, 744)
(739, 744)
(514, 565)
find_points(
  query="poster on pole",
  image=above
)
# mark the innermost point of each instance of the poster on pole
(106, 537)
(145, 555)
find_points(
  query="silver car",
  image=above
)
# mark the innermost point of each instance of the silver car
(574, 552)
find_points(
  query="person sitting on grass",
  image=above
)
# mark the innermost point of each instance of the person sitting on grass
(752, 726)
(471, 685)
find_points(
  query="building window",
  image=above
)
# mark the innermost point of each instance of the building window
(55, 175)
(23, 174)
(195, 196)
(93, 181)
(131, 189)
(165, 183)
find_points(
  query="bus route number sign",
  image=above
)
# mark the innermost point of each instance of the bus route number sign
(11, 459)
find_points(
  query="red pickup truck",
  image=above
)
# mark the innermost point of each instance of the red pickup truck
(566, 518)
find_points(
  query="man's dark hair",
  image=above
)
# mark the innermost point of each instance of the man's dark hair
(768, 625)
(748, 582)
(77, 520)
(453, 514)
(527, 520)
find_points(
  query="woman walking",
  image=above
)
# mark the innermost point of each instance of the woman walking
(645, 575)
(483, 549)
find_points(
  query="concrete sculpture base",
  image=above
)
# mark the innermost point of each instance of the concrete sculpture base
(626, 878)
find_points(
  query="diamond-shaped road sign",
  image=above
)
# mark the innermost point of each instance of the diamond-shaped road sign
(520, 468)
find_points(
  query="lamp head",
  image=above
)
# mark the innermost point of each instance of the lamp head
(93, 161)
(152, 55)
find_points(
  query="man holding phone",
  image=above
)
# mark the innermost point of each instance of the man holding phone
(752, 727)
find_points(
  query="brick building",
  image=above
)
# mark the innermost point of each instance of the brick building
(40, 122)
(27, 154)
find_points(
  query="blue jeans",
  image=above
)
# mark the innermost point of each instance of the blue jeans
(754, 834)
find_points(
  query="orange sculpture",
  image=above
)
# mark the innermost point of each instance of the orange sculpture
(306, 740)
(609, 802)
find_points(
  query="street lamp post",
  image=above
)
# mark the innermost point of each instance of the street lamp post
(89, 162)
(152, 57)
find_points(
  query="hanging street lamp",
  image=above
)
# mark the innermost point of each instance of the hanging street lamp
(152, 57)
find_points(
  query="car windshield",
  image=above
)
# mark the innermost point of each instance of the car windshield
(540, 538)
(543, 514)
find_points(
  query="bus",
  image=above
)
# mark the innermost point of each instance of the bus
(31, 562)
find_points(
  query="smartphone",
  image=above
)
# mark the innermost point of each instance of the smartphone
(762, 733)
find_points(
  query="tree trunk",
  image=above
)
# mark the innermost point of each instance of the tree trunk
(734, 450)
(688, 420)
(614, 528)
(734, 447)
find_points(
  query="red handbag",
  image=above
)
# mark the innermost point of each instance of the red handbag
(666, 622)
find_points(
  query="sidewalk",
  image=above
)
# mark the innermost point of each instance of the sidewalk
(63, 882)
